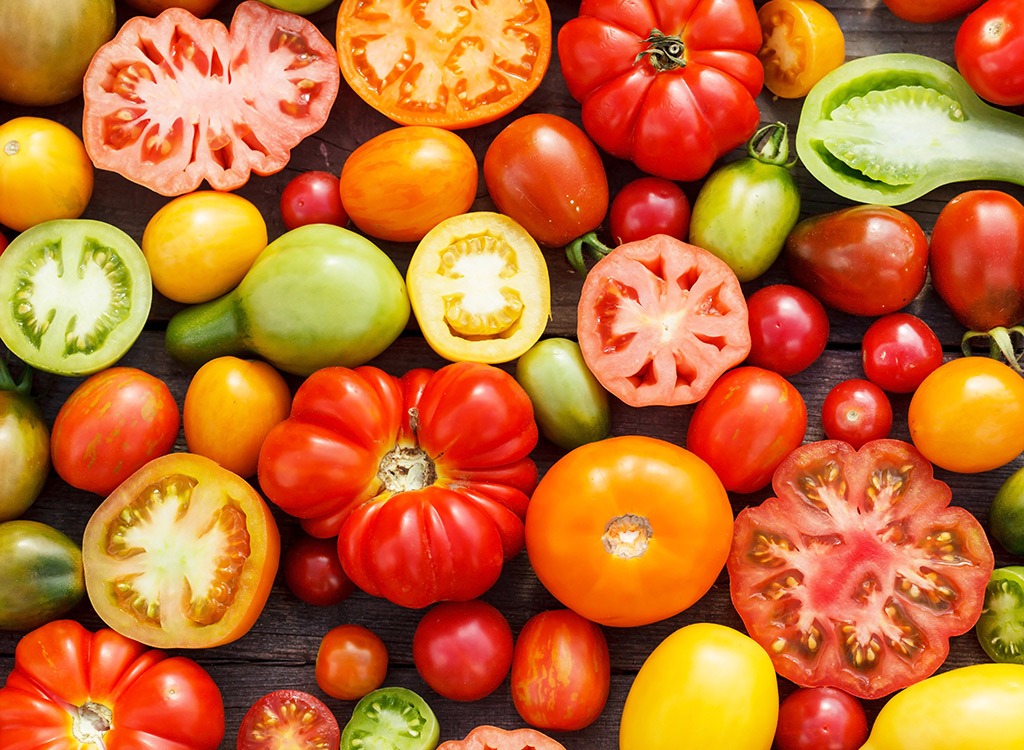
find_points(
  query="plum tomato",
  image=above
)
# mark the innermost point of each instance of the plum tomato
(1000, 628)
(802, 41)
(898, 351)
(313, 572)
(41, 568)
(856, 411)
(288, 719)
(312, 197)
(789, 328)
(989, 52)
(352, 661)
(1006, 514)
(821, 718)
(646, 206)
(391, 717)
(857, 572)
(463, 650)
(24, 445)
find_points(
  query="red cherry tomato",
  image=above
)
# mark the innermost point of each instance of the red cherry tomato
(647, 206)
(288, 719)
(312, 198)
(313, 572)
(789, 328)
(856, 411)
(820, 718)
(989, 51)
(351, 662)
(898, 351)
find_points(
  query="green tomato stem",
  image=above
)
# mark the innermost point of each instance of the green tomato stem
(21, 386)
(590, 243)
(770, 145)
(1000, 341)
(663, 51)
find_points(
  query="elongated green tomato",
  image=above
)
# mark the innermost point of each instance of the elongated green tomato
(1000, 628)
(41, 568)
(570, 405)
(317, 296)
(24, 445)
(745, 209)
(391, 718)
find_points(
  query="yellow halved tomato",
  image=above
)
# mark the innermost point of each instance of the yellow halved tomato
(479, 288)
(182, 555)
(802, 42)
(449, 65)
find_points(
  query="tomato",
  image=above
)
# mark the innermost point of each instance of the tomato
(820, 718)
(313, 572)
(302, 7)
(647, 206)
(400, 184)
(802, 41)
(463, 650)
(24, 445)
(931, 11)
(570, 405)
(230, 406)
(671, 88)
(479, 288)
(486, 737)
(715, 676)
(898, 351)
(42, 572)
(789, 328)
(288, 720)
(154, 7)
(200, 245)
(628, 530)
(863, 260)
(351, 662)
(391, 717)
(561, 671)
(182, 555)
(312, 198)
(858, 571)
(110, 426)
(95, 314)
(966, 415)
(1002, 619)
(420, 65)
(856, 411)
(73, 688)
(1006, 514)
(988, 52)
(565, 199)
(46, 45)
(45, 172)
(747, 423)
(425, 478)
(248, 121)
(660, 320)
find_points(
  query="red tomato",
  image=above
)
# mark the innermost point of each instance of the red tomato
(444, 458)
(313, 572)
(288, 720)
(312, 198)
(672, 88)
(864, 260)
(820, 718)
(135, 113)
(561, 671)
(931, 11)
(122, 695)
(486, 737)
(747, 423)
(898, 351)
(351, 662)
(559, 202)
(989, 51)
(110, 426)
(659, 320)
(856, 411)
(858, 571)
(463, 650)
(789, 328)
(648, 206)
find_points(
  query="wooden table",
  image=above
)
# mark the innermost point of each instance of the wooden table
(280, 650)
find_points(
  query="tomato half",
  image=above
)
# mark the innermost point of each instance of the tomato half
(391, 717)
(424, 64)
(1001, 624)
(989, 51)
(660, 320)
(182, 555)
(486, 737)
(288, 720)
(802, 41)
(858, 571)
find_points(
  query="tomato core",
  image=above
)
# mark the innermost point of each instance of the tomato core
(627, 536)
(406, 469)
(91, 721)
(664, 51)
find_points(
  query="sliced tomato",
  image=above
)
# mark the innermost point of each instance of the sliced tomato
(429, 63)
(288, 720)
(486, 737)
(802, 42)
(660, 320)
(858, 572)
(174, 100)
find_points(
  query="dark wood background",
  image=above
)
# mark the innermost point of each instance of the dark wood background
(280, 650)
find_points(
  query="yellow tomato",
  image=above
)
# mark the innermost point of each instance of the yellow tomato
(200, 245)
(705, 686)
(45, 173)
(802, 41)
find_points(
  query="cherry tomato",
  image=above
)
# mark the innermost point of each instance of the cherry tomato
(802, 42)
(820, 718)
(352, 661)
(646, 206)
(856, 411)
(898, 351)
(463, 650)
(930, 11)
(313, 572)
(989, 51)
(288, 720)
(789, 328)
(312, 198)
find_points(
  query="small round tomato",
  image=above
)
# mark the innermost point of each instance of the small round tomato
(898, 351)
(647, 206)
(856, 411)
(24, 445)
(561, 671)
(1000, 628)
(288, 720)
(463, 650)
(1006, 514)
(352, 661)
(821, 718)
(966, 415)
(989, 51)
(312, 198)
(802, 42)
(110, 426)
(789, 328)
(313, 572)
(45, 173)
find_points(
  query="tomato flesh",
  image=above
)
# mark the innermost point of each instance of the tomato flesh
(288, 720)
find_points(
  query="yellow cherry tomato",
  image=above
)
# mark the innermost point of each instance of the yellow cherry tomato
(802, 41)
(45, 173)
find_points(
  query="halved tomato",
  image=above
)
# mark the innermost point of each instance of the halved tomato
(429, 63)
(288, 719)
(173, 100)
(182, 555)
(486, 737)
(802, 42)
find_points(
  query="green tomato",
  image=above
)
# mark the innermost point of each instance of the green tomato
(745, 209)
(302, 7)
(570, 405)
(24, 446)
(42, 573)
(391, 718)
(1006, 514)
(1000, 628)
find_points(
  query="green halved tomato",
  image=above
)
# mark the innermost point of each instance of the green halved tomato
(391, 718)
(1000, 628)
(41, 568)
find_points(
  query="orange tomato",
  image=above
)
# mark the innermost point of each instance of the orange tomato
(802, 42)
(629, 530)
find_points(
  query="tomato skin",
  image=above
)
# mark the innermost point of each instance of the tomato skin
(747, 423)
(288, 719)
(647, 206)
(312, 198)
(1006, 514)
(802, 42)
(24, 446)
(821, 718)
(561, 671)
(931, 11)
(313, 572)
(988, 52)
(856, 411)
(42, 572)
(495, 738)
(352, 661)
(898, 352)
(789, 328)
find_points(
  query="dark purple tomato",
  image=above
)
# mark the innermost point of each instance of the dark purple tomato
(898, 351)
(312, 198)
(788, 328)
(856, 411)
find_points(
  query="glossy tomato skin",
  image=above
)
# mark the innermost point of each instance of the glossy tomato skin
(863, 260)
(898, 352)
(42, 572)
(24, 447)
(931, 11)
(352, 661)
(313, 572)
(1006, 514)
(288, 719)
(856, 411)
(110, 426)
(802, 42)
(747, 423)
(647, 206)
(312, 197)
(789, 328)
(561, 671)
(988, 52)
(821, 718)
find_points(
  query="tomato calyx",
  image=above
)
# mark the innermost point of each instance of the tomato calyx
(1001, 344)
(770, 145)
(90, 722)
(664, 51)
(406, 468)
(21, 386)
(589, 243)
(627, 536)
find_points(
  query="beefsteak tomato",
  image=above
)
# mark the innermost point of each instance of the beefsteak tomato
(424, 478)
(670, 85)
